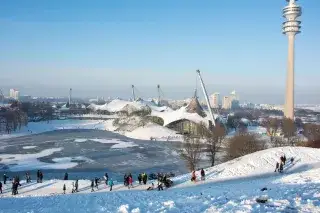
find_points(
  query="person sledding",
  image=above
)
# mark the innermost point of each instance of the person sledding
(277, 167)
(193, 176)
(281, 167)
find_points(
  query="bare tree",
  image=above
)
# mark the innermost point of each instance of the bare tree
(244, 144)
(191, 151)
(289, 130)
(214, 142)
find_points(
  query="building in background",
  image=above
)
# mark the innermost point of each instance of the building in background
(14, 94)
(215, 100)
(226, 102)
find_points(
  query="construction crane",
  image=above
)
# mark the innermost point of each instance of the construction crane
(207, 99)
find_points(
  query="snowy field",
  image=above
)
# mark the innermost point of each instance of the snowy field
(230, 187)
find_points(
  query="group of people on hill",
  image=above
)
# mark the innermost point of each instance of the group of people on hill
(16, 182)
(128, 180)
(194, 176)
(283, 160)
(15, 185)
(143, 178)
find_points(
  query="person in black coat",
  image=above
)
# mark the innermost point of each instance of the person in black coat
(277, 167)
(64, 188)
(66, 176)
(140, 178)
(5, 177)
(76, 185)
(203, 174)
(92, 185)
(38, 176)
(1, 187)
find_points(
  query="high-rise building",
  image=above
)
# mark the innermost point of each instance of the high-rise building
(14, 94)
(291, 27)
(226, 102)
(215, 99)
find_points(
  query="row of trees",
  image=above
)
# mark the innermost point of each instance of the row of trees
(12, 119)
(214, 141)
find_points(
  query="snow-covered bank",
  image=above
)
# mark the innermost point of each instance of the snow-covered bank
(234, 188)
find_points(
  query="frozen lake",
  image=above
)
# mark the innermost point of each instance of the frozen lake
(86, 154)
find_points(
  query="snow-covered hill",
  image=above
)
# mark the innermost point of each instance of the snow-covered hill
(230, 187)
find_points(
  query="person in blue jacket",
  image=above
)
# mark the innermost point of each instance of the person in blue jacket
(110, 183)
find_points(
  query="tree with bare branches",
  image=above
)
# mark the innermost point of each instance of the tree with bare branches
(214, 141)
(243, 144)
(191, 152)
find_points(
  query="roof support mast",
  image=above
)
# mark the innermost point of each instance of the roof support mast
(159, 97)
(133, 94)
(206, 97)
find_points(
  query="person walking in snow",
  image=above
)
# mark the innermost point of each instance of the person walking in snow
(106, 178)
(96, 180)
(284, 159)
(28, 178)
(145, 178)
(203, 175)
(92, 185)
(72, 190)
(76, 185)
(64, 188)
(277, 167)
(0, 187)
(38, 176)
(130, 181)
(125, 180)
(66, 176)
(110, 183)
(5, 179)
(41, 176)
(140, 178)
(160, 187)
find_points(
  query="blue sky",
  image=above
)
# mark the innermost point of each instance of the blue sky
(102, 47)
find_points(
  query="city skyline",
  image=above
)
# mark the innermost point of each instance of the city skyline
(104, 48)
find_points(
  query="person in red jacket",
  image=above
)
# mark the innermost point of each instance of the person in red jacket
(130, 181)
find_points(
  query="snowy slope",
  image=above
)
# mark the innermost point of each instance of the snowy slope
(234, 189)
